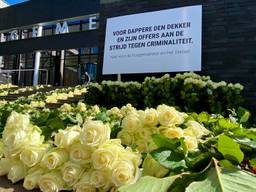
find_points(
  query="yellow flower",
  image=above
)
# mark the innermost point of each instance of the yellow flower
(17, 171)
(126, 137)
(71, 172)
(151, 117)
(169, 115)
(65, 138)
(84, 185)
(32, 155)
(173, 132)
(54, 158)
(105, 155)
(80, 154)
(94, 133)
(51, 182)
(124, 173)
(191, 143)
(31, 180)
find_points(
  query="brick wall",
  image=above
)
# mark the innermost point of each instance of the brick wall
(229, 38)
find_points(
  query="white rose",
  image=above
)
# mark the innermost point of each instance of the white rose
(71, 172)
(35, 137)
(105, 155)
(128, 109)
(173, 132)
(191, 143)
(101, 179)
(169, 115)
(1, 149)
(151, 117)
(126, 137)
(197, 129)
(51, 99)
(77, 92)
(70, 94)
(17, 121)
(54, 158)
(66, 108)
(31, 180)
(115, 112)
(95, 133)
(32, 155)
(81, 107)
(51, 182)
(142, 145)
(85, 187)
(94, 109)
(5, 165)
(65, 138)
(143, 133)
(80, 154)
(83, 90)
(124, 173)
(84, 184)
(132, 122)
(15, 141)
(17, 171)
(135, 157)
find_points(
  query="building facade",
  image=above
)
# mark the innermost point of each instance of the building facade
(3, 4)
(73, 36)
(60, 41)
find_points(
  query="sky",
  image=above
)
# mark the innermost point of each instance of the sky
(12, 2)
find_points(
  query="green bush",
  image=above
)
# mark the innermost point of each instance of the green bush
(189, 91)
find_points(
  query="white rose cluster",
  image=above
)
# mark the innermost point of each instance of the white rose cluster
(138, 127)
(21, 147)
(79, 159)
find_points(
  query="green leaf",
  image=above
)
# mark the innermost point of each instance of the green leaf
(244, 114)
(102, 116)
(203, 117)
(227, 124)
(226, 164)
(198, 161)
(149, 184)
(152, 168)
(224, 180)
(172, 144)
(169, 159)
(246, 141)
(56, 124)
(230, 149)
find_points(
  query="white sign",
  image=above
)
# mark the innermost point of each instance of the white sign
(160, 41)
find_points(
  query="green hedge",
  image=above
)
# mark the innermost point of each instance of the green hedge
(189, 91)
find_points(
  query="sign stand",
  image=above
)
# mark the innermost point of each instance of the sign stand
(119, 78)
